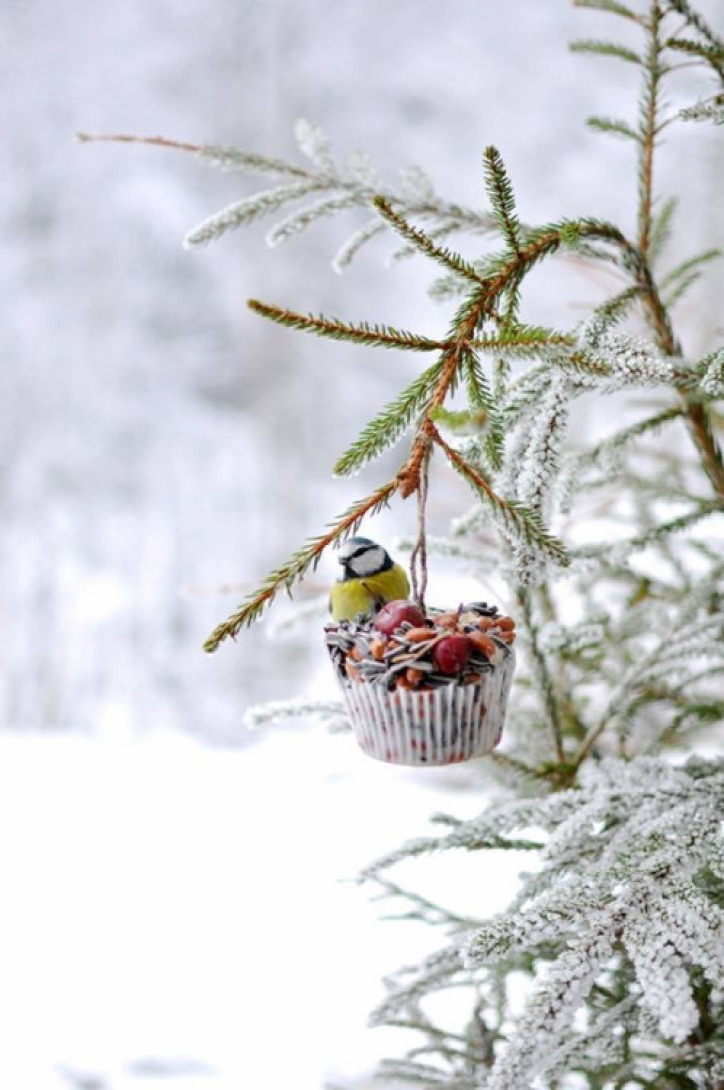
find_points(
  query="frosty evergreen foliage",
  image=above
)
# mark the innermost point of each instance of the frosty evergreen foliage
(607, 970)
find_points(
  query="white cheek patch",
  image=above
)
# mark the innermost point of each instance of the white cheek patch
(369, 563)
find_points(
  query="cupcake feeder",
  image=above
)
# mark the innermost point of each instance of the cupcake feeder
(432, 693)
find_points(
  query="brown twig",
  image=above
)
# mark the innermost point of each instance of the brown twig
(418, 559)
(128, 138)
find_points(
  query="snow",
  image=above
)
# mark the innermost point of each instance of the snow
(164, 899)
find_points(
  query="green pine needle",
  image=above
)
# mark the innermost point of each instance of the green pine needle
(689, 265)
(713, 54)
(479, 396)
(682, 286)
(423, 243)
(613, 126)
(623, 438)
(606, 49)
(517, 523)
(657, 535)
(385, 429)
(482, 403)
(661, 226)
(522, 341)
(502, 198)
(379, 336)
(295, 568)
(608, 6)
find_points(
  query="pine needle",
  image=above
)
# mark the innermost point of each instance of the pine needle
(284, 577)
(377, 336)
(516, 522)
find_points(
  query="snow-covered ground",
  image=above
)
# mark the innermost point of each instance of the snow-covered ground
(164, 901)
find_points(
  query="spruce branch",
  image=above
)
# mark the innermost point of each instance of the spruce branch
(481, 400)
(649, 122)
(708, 109)
(478, 390)
(246, 211)
(416, 237)
(314, 143)
(682, 271)
(696, 21)
(613, 126)
(519, 524)
(543, 673)
(522, 341)
(658, 534)
(298, 221)
(636, 258)
(502, 198)
(435, 234)
(349, 250)
(607, 449)
(357, 183)
(609, 6)
(710, 49)
(128, 138)
(228, 159)
(711, 368)
(385, 429)
(714, 54)
(606, 49)
(377, 336)
(661, 225)
(299, 563)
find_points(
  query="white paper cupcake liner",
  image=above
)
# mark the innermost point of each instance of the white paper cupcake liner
(439, 726)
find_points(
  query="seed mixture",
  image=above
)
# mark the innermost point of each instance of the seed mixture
(400, 647)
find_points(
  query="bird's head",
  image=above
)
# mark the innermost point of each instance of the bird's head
(361, 557)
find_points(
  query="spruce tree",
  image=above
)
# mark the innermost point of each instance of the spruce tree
(607, 969)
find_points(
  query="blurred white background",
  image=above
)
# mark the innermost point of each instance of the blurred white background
(169, 888)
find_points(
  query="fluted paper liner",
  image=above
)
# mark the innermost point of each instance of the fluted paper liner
(438, 726)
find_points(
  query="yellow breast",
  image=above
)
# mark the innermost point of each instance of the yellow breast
(353, 596)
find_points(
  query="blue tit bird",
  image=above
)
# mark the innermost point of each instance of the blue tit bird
(370, 578)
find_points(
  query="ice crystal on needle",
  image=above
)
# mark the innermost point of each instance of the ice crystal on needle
(617, 912)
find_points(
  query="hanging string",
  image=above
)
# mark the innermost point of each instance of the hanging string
(418, 558)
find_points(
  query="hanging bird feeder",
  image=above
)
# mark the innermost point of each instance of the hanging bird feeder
(425, 687)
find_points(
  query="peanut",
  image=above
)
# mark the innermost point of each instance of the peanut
(378, 648)
(483, 643)
(447, 620)
(417, 635)
(414, 676)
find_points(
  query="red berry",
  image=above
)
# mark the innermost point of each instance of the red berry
(392, 615)
(452, 654)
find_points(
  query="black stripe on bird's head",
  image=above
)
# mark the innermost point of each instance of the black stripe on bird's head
(361, 557)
